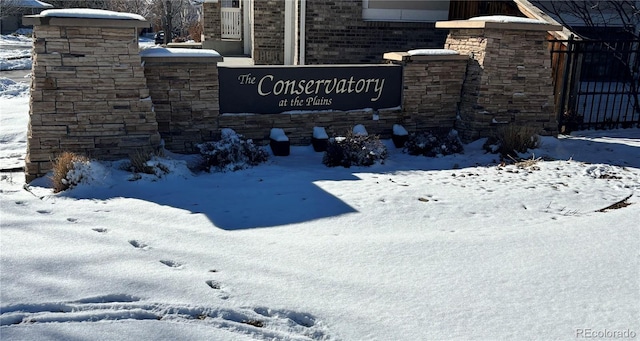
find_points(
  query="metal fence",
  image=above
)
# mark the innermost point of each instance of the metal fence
(596, 83)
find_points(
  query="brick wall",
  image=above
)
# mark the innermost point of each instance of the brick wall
(508, 80)
(211, 21)
(185, 99)
(336, 33)
(268, 32)
(88, 93)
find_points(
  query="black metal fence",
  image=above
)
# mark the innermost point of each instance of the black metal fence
(596, 83)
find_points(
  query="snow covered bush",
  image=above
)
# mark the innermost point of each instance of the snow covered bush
(146, 162)
(354, 150)
(231, 153)
(510, 140)
(69, 170)
(433, 144)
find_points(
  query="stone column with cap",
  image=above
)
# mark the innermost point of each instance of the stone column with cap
(508, 79)
(89, 94)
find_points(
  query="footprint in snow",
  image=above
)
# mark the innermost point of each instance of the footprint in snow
(72, 220)
(100, 230)
(213, 284)
(44, 211)
(138, 244)
(171, 264)
(21, 203)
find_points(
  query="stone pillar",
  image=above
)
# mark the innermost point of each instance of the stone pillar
(432, 80)
(88, 93)
(211, 21)
(184, 89)
(508, 78)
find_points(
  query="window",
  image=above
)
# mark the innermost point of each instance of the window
(405, 10)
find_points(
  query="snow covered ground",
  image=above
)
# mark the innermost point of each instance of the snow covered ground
(450, 248)
(15, 52)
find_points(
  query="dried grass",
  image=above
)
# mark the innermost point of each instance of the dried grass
(61, 167)
(138, 161)
(514, 139)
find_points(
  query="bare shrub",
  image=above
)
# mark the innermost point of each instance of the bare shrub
(510, 140)
(64, 164)
(145, 161)
(195, 32)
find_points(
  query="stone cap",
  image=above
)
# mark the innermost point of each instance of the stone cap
(501, 22)
(425, 55)
(178, 55)
(85, 17)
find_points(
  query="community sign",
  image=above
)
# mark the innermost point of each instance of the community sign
(278, 89)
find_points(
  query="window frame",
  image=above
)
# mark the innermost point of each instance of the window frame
(402, 15)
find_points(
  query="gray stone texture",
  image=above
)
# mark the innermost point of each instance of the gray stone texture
(508, 80)
(88, 95)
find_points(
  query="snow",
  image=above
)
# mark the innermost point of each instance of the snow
(89, 13)
(177, 52)
(19, 38)
(277, 134)
(455, 247)
(31, 4)
(359, 129)
(508, 19)
(432, 52)
(14, 104)
(11, 89)
(320, 133)
(15, 52)
(399, 130)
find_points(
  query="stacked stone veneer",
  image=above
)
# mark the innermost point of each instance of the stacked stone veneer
(432, 83)
(88, 93)
(299, 126)
(508, 79)
(185, 98)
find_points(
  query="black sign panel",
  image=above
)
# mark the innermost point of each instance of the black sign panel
(277, 89)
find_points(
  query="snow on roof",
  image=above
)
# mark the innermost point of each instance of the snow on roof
(32, 4)
(177, 52)
(508, 19)
(90, 14)
(432, 52)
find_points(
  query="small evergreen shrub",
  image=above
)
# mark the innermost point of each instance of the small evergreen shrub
(354, 150)
(68, 171)
(231, 153)
(513, 139)
(432, 144)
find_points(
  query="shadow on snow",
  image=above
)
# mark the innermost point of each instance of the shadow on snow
(286, 191)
